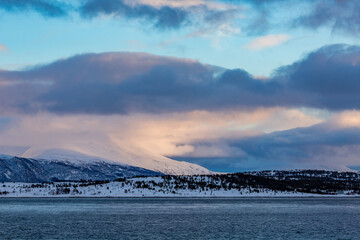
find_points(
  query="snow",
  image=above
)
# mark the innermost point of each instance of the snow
(136, 158)
(128, 188)
(3, 156)
(57, 154)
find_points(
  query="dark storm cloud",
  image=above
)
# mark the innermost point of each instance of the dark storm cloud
(44, 7)
(122, 83)
(108, 83)
(112, 83)
(318, 146)
(298, 144)
(326, 78)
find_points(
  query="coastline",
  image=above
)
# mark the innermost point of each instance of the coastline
(179, 197)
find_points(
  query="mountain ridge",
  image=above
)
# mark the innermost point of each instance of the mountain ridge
(18, 169)
(132, 157)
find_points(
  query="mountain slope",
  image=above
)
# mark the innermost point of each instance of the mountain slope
(130, 156)
(17, 169)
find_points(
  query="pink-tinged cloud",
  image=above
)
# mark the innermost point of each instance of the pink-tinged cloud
(163, 15)
(181, 4)
(259, 139)
(2, 47)
(268, 41)
(146, 139)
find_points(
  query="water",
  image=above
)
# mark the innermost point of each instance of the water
(246, 218)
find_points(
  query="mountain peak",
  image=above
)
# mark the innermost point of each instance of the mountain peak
(86, 154)
(60, 154)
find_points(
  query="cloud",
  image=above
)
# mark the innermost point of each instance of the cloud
(326, 77)
(342, 16)
(222, 140)
(163, 14)
(217, 25)
(156, 135)
(222, 119)
(268, 41)
(178, 4)
(321, 146)
(109, 83)
(164, 17)
(123, 83)
(46, 8)
(2, 47)
(259, 15)
(347, 119)
(314, 147)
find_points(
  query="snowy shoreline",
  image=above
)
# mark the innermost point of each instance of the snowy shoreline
(183, 197)
(131, 190)
(239, 185)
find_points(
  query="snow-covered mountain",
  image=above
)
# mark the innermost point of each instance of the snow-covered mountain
(94, 155)
(137, 158)
(17, 169)
(63, 155)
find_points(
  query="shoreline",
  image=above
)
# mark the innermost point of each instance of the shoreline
(177, 197)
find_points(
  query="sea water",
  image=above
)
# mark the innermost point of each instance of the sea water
(180, 218)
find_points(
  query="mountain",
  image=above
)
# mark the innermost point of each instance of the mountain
(65, 167)
(108, 152)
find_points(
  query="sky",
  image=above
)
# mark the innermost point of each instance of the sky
(231, 85)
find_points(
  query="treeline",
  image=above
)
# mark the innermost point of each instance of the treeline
(304, 181)
(307, 181)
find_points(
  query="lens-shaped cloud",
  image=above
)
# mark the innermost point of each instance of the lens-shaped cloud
(122, 83)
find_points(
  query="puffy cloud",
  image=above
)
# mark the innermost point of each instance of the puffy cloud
(46, 8)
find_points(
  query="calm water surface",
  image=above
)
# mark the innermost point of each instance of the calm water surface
(249, 218)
